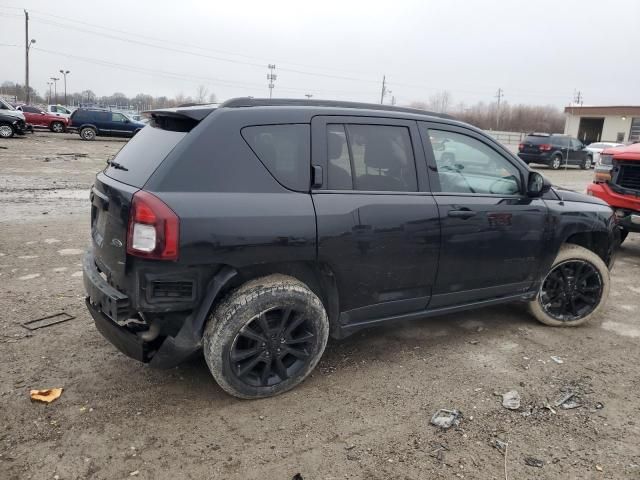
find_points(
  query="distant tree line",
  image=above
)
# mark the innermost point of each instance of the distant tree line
(487, 116)
(141, 101)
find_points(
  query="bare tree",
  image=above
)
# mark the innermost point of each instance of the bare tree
(201, 94)
(440, 102)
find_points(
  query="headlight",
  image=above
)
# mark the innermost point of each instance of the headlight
(606, 159)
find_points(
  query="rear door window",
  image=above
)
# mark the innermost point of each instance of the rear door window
(285, 150)
(370, 158)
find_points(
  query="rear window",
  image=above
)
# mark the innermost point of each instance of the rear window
(142, 155)
(537, 139)
(284, 150)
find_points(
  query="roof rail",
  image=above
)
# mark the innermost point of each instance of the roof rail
(298, 102)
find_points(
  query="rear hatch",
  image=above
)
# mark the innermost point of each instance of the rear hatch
(531, 143)
(114, 188)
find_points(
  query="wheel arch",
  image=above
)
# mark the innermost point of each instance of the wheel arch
(318, 277)
(596, 241)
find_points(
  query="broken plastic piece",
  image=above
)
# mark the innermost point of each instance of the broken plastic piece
(556, 359)
(446, 418)
(533, 462)
(511, 400)
(46, 395)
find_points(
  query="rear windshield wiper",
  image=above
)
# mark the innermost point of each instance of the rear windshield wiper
(117, 166)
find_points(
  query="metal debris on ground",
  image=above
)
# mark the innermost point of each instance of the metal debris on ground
(533, 462)
(47, 321)
(558, 360)
(511, 400)
(568, 401)
(446, 418)
(499, 445)
(47, 395)
(599, 405)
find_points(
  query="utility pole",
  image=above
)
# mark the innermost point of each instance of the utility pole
(55, 86)
(577, 97)
(27, 46)
(271, 77)
(65, 73)
(384, 89)
(499, 96)
(308, 95)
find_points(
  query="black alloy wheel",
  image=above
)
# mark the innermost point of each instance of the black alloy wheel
(272, 347)
(572, 290)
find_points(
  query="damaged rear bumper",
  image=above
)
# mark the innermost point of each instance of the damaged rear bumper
(110, 309)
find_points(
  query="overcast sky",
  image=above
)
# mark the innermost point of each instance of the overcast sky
(537, 51)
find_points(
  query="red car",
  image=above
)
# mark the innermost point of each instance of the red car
(39, 118)
(617, 182)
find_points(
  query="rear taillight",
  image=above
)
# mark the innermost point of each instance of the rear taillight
(521, 147)
(545, 147)
(154, 229)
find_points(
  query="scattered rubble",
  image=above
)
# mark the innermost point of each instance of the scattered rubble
(47, 395)
(533, 462)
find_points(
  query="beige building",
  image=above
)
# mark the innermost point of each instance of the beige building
(603, 124)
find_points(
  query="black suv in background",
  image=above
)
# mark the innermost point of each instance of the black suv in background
(554, 151)
(255, 230)
(92, 122)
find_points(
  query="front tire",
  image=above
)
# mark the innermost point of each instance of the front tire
(574, 291)
(266, 337)
(88, 133)
(6, 130)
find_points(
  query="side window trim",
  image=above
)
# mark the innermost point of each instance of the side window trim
(433, 168)
(319, 152)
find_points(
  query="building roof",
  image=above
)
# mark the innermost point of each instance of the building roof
(630, 110)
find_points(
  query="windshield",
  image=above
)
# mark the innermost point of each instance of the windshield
(140, 157)
(537, 139)
(5, 105)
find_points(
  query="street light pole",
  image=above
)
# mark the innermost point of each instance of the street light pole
(65, 73)
(49, 85)
(55, 86)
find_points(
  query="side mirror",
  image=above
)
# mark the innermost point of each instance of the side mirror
(537, 185)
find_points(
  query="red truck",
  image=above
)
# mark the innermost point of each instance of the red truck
(39, 118)
(617, 182)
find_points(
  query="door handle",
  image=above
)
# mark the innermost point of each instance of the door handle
(464, 214)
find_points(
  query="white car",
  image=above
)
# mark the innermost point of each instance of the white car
(59, 110)
(8, 109)
(598, 147)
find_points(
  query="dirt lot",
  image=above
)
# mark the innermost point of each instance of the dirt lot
(363, 414)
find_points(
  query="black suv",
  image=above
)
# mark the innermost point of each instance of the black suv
(554, 150)
(92, 122)
(256, 229)
(11, 125)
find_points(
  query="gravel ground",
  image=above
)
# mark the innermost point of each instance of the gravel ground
(365, 411)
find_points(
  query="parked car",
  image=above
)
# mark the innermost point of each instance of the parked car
(39, 118)
(59, 110)
(254, 233)
(11, 125)
(617, 182)
(92, 122)
(598, 147)
(8, 109)
(554, 150)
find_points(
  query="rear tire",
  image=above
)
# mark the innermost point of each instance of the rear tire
(88, 133)
(556, 162)
(586, 164)
(266, 337)
(574, 291)
(57, 127)
(6, 130)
